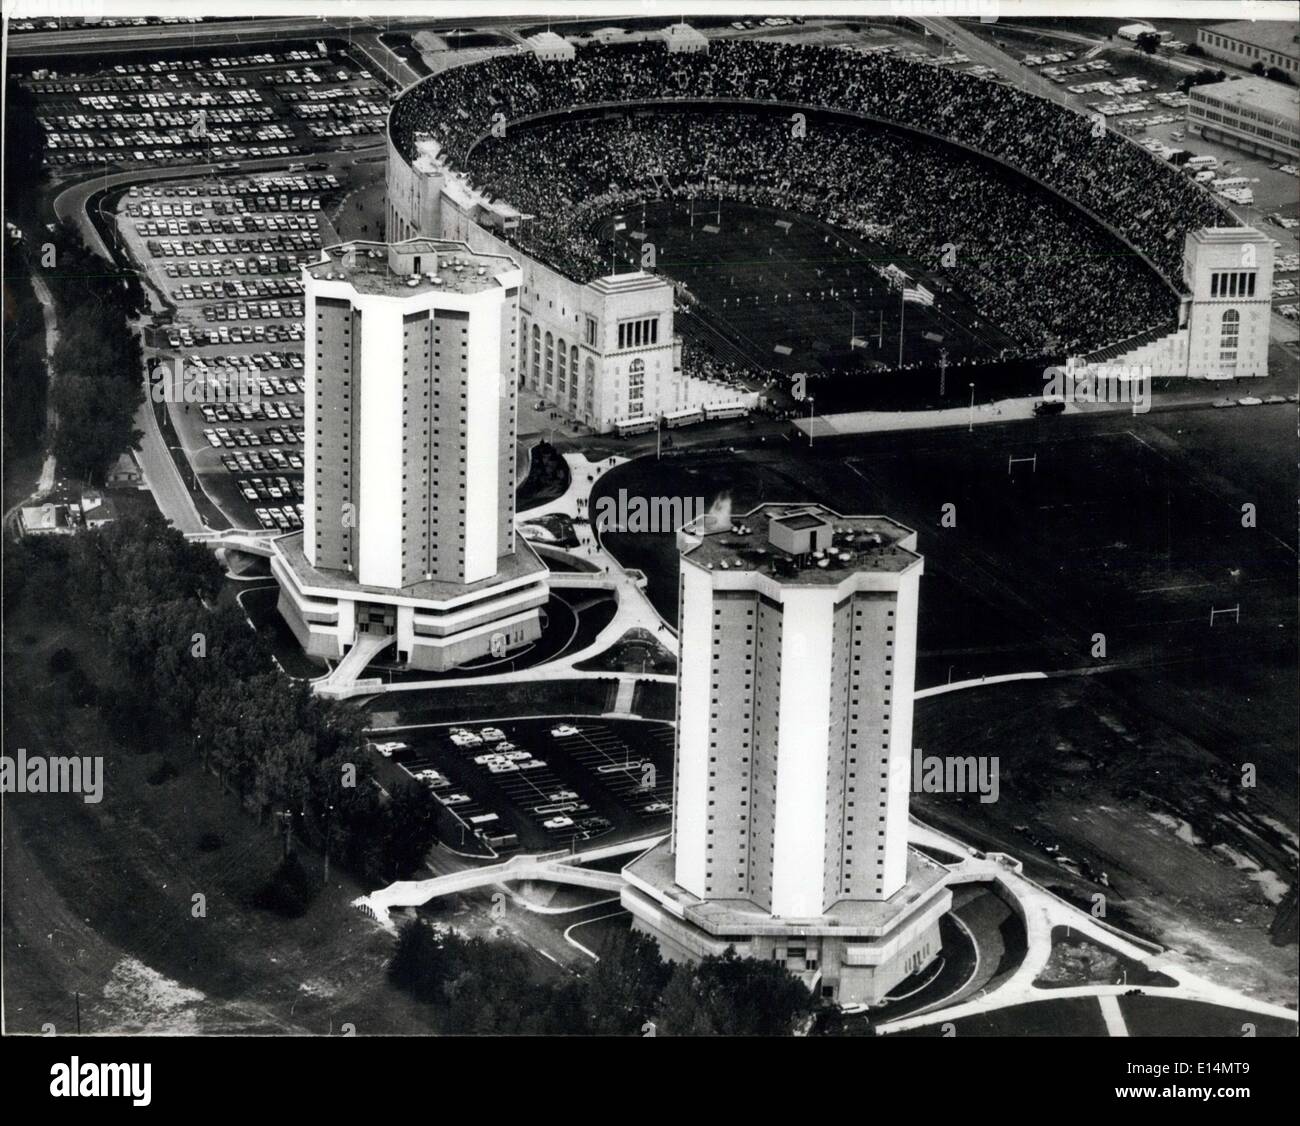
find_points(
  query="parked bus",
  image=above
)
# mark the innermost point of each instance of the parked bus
(725, 410)
(688, 417)
(628, 426)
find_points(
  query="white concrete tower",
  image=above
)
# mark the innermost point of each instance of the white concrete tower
(410, 409)
(798, 641)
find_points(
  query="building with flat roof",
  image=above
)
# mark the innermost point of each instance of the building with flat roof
(792, 774)
(550, 47)
(1245, 42)
(408, 529)
(1255, 115)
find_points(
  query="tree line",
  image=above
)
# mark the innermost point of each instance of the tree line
(199, 682)
(476, 986)
(98, 364)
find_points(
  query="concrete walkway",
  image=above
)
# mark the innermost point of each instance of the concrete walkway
(555, 867)
(634, 611)
(1042, 911)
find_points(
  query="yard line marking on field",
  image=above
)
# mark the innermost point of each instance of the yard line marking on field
(1114, 1018)
(1184, 586)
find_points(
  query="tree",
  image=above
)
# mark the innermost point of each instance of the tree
(24, 143)
(1149, 42)
(409, 828)
(623, 987)
(680, 1012)
(94, 423)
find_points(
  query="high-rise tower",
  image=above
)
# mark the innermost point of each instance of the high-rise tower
(410, 462)
(793, 764)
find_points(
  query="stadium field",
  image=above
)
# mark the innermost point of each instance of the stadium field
(787, 292)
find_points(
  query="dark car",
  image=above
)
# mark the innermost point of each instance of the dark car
(1049, 406)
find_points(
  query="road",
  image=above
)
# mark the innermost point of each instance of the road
(981, 51)
(96, 40)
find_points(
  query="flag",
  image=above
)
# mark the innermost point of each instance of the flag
(918, 295)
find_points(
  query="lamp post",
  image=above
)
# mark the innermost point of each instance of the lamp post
(970, 423)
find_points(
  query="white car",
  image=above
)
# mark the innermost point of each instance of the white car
(657, 807)
(387, 749)
(562, 795)
(492, 734)
(501, 767)
(560, 822)
(453, 799)
(533, 764)
(515, 756)
(564, 729)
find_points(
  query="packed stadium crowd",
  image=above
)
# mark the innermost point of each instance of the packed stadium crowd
(1027, 264)
(1020, 254)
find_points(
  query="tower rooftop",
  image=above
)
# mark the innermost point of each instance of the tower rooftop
(797, 543)
(414, 267)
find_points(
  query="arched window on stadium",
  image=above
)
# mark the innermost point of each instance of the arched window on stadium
(589, 388)
(1229, 334)
(561, 367)
(550, 360)
(537, 357)
(573, 371)
(636, 388)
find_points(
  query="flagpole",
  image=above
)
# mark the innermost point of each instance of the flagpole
(902, 313)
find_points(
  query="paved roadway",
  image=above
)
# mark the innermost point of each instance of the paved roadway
(96, 40)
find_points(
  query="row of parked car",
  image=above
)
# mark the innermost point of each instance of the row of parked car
(268, 488)
(286, 519)
(262, 461)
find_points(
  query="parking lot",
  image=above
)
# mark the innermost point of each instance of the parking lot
(543, 784)
(221, 258)
(228, 106)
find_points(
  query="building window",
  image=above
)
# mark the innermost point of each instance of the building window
(1229, 334)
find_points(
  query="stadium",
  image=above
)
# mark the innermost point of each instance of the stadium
(794, 208)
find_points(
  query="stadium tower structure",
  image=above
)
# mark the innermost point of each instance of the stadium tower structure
(1223, 323)
(408, 537)
(792, 777)
(598, 351)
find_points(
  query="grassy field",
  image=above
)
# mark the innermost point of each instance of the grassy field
(99, 898)
(766, 288)
(1073, 1016)
(1132, 528)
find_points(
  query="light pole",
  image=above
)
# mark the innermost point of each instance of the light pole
(812, 418)
(970, 423)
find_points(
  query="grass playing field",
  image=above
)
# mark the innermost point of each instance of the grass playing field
(789, 293)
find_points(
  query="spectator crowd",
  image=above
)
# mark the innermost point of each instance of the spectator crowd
(1024, 257)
